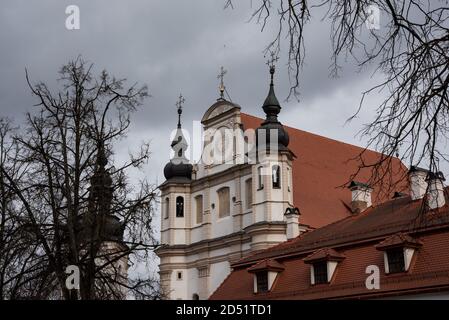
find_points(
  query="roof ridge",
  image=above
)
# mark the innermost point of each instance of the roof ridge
(326, 138)
(385, 230)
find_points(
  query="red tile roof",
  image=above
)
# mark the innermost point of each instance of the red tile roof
(324, 254)
(398, 239)
(322, 166)
(268, 264)
(356, 238)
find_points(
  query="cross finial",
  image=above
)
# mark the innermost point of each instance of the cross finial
(221, 77)
(179, 103)
(271, 63)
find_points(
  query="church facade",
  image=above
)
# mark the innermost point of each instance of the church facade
(258, 184)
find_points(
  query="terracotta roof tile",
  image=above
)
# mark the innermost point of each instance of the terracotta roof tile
(321, 169)
(395, 215)
(267, 264)
(324, 254)
(356, 238)
(398, 239)
(430, 269)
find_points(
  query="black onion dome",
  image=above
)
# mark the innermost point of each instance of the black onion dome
(282, 134)
(180, 170)
(113, 229)
(272, 108)
(179, 166)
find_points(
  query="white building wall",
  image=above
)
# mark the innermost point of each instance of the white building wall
(218, 272)
(178, 287)
(247, 219)
(221, 226)
(268, 204)
(193, 283)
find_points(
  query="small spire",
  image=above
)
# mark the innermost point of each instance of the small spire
(102, 161)
(179, 166)
(99, 222)
(222, 87)
(271, 104)
(179, 103)
(271, 107)
(101, 191)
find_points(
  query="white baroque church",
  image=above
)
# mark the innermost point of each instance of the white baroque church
(226, 206)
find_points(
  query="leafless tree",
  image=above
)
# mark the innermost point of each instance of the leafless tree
(64, 201)
(410, 49)
(14, 250)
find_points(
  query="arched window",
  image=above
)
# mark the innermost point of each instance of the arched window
(167, 208)
(199, 208)
(223, 202)
(259, 178)
(276, 176)
(179, 207)
(249, 193)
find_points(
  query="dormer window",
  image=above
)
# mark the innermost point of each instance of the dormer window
(398, 252)
(265, 274)
(395, 259)
(262, 281)
(323, 264)
(320, 272)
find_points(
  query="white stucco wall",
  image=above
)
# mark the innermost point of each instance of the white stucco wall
(268, 204)
(218, 272)
(221, 226)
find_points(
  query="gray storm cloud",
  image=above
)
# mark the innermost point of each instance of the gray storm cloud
(173, 47)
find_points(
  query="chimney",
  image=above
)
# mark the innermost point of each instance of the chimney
(292, 218)
(435, 195)
(361, 196)
(418, 184)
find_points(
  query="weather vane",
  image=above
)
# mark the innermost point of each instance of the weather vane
(221, 77)
(179, 103)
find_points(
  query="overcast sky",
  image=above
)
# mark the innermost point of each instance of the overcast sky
(175, 46)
